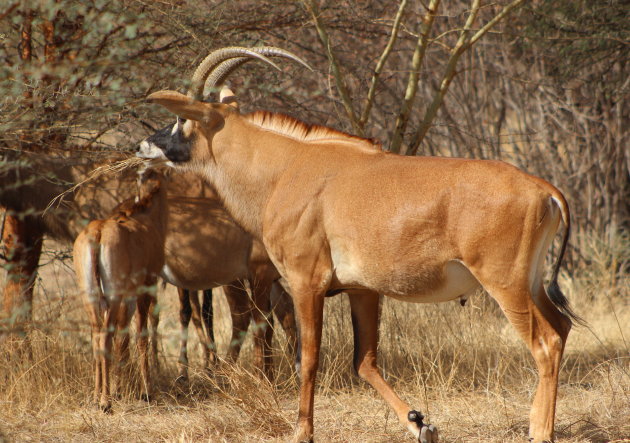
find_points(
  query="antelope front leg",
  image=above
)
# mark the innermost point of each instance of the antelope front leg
(154, 319)
(240, 311)
(204, 338)
(282, 306)
(144, 303)
(309, 308)
(207, 315)
(365, 311)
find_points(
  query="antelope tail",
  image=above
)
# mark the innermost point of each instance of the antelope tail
(554, 292)
(92, 275)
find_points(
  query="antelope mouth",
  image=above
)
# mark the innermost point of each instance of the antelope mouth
(153, 154)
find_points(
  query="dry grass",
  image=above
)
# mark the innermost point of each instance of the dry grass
(106, 169)
(463, 367)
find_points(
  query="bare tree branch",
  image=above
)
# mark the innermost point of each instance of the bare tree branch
(313, 8)
(412, 83)
(463, 44)
(500, 16)
(9, 10)
(381, 63)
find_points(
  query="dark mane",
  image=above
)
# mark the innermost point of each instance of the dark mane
(294, 128)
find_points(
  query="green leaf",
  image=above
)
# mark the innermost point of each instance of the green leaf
(131, 30)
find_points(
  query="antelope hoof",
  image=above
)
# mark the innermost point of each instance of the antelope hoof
(106, 408)
(145, 397)
(428, 434)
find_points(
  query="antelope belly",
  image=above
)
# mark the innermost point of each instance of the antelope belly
(412, 282)
(455, 281)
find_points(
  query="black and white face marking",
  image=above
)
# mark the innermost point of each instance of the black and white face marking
(169, 143)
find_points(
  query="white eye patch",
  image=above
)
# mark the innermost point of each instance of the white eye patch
(187, 128)
(175, 127)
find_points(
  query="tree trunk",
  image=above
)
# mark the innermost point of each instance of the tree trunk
(22, 246)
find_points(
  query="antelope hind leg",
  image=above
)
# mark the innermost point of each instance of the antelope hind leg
(364, 307)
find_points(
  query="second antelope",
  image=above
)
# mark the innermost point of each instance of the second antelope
(337, 214)
(117, 262)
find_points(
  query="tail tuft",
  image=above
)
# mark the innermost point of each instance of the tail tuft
(557, 298)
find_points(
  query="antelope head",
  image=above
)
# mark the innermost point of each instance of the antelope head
(149, 182)
(174, 142)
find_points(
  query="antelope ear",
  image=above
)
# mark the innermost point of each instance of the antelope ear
(188, 108)
(228, 97)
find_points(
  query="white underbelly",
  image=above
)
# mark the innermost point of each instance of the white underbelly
(457, 282)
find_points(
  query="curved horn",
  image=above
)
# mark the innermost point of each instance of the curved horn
(213, 60)
(225, 68)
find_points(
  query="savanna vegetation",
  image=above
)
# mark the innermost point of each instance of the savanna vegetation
(543, 85)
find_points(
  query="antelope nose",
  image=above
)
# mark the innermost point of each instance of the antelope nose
(142, 148)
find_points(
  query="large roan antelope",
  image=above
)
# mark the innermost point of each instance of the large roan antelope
(336, 214)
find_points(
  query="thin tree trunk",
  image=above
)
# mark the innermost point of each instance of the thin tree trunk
(414, 75)
(22, 245)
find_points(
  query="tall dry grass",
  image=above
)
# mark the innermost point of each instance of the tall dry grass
(464, 367)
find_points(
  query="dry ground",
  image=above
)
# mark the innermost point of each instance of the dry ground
(463, 367)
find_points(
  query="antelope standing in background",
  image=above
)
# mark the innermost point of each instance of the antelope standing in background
(336, 214)
(117, 261)
(206, 249)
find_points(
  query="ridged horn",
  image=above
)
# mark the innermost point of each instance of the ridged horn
(225, 68)
(213, 60)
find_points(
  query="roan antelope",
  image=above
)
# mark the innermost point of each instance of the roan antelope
(336, 214)
(117, 261)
